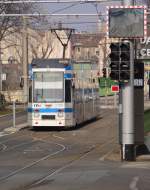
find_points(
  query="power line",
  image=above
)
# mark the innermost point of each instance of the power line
(83, 22)
(55, 1)
(70, 6)
(48, 14)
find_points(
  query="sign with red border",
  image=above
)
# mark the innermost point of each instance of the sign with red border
(126, 22)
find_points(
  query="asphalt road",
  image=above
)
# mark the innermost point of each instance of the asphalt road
(7, 121)
(85, 158)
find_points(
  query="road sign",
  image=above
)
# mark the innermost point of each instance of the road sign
(115, 88)
(127, 22)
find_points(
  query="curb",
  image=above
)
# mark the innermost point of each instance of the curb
(17, 128)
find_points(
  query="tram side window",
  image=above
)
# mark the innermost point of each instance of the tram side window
(67, 91)
(30, 94)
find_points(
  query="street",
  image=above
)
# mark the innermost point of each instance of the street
(7, 120)
(83, 158)
(82, 66)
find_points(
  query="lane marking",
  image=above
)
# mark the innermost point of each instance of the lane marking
(32, 150)
(2, 134)
(4, 147)
(133, 184)
(58, 137)
(144, 165)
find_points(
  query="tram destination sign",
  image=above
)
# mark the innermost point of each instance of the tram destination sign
(126, 22)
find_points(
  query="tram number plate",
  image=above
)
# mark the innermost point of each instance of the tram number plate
(52, 117)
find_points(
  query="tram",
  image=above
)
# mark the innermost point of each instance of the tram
(62, 92)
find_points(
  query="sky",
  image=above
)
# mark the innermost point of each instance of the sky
(87, 24)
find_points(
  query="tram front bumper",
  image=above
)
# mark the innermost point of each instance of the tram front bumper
(51, 123)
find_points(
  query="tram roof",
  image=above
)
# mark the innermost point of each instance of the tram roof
(57, 63)
(50, 63)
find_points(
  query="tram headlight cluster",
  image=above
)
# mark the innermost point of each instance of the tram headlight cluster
(36, 115)
(60, 113)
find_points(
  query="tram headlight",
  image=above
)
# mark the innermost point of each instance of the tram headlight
(60, 113)
(36, 115)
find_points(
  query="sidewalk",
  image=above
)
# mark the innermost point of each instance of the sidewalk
(16, 128)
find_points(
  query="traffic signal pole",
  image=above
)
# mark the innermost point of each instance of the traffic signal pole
(128, 146)
(128, 136)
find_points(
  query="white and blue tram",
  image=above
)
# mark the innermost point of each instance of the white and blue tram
(62, 92)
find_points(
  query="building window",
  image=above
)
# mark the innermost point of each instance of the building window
(78, 49)
(11, 60)
(97, 52)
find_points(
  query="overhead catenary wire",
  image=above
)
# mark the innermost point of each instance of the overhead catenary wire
(54, 1)
(68, 7)
(49, 14)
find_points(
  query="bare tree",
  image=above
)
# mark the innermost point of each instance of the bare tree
(43, 46)
(9, 25)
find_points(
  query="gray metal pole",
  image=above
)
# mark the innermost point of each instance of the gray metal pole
(128, 146)
(128, 113)
(14, 113)
(1, 68)
(25, 60)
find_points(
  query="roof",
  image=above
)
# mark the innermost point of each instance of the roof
(49, 63)
(86, 40)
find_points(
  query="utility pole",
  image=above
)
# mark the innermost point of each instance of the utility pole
(61, 40)
(128, 131)
(1, 69)
(25, 60)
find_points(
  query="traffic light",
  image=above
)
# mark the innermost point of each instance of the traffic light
(138, 69)
(104, 72)
(120, 61)
(124, 61)
(138, 74)
(114, 61)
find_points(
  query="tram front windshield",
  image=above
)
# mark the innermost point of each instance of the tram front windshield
(48, 87)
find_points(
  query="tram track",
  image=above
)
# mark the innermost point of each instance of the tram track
(53, 171)
(34, 162)
(65, 166)
(83, 155)
(49, 172)
(3, 143)
(4, 147)
(31, 135)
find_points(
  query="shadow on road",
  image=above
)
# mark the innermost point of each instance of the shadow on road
(55, 128)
